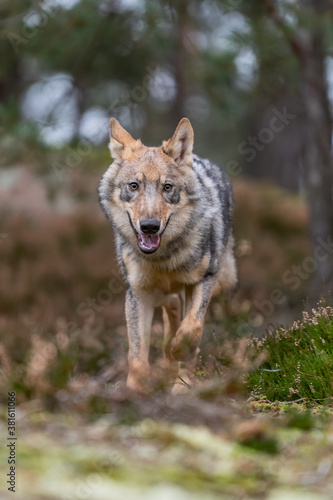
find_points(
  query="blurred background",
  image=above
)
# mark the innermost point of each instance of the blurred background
(256, 80)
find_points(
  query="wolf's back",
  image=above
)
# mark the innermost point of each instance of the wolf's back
(217, 192)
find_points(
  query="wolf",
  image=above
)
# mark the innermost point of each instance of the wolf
(171, 214)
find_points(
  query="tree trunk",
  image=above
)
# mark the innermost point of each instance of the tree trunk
(308, 43)
(317, 158)
(180, 60)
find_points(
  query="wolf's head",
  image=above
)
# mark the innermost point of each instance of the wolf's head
(148, 192)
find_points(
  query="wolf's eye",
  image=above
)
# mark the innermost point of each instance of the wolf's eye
(133, 186)
(167, 186)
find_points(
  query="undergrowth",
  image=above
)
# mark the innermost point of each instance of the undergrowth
(299, 361)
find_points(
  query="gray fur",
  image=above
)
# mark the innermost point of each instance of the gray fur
(196, 243)
(211, 218)
(133, 323)
(206, 294)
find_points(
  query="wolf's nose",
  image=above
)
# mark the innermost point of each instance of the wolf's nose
(150, 226)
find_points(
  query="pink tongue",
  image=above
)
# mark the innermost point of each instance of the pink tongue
(149, 241)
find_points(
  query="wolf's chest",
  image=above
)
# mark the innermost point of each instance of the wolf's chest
(152, 279)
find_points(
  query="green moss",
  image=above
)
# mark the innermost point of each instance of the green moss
(300, 420)
(265, 444)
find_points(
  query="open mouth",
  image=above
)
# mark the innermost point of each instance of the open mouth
(148, 243)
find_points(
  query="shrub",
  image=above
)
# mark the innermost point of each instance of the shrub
(300, 359)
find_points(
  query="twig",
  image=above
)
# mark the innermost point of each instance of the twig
(185, 383)
(291, 402)
(308, 374)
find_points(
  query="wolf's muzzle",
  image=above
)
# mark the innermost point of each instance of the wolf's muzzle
(150, 226)
(148, 240)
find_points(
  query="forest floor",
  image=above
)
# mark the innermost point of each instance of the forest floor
(192, 449)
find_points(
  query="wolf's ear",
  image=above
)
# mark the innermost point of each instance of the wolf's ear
(119, 139)
(180, 146)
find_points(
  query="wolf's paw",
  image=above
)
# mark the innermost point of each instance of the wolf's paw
(183, 349)
(159, 377)
(137, 385)
(186, 342)
(139, 377)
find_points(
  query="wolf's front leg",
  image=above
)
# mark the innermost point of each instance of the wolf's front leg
(184, 345)
(139, 315)
(171, 319)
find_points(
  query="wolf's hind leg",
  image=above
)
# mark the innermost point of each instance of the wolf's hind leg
(182, 297)
(171, 320)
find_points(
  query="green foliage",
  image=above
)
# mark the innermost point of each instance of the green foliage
(266, 444)
(300, 359)
(300, 420)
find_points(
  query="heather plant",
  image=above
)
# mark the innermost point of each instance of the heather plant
(299, 360)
